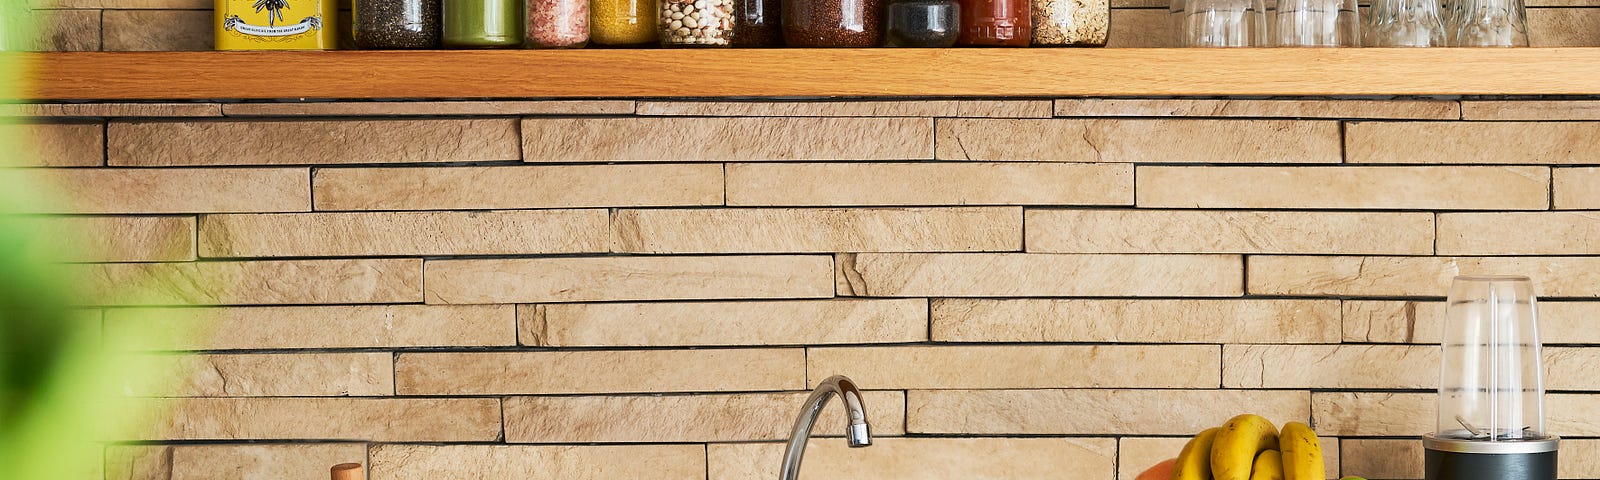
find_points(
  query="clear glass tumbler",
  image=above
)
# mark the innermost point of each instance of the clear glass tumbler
(1488, 23)
(1315, 23)
(1220, 23)
(1404, 23)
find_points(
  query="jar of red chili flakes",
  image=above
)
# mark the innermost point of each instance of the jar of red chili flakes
(995, 23)
(558, 23)
(833, 23)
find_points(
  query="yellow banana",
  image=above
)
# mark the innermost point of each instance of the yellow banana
(1234, 451)
(1194, 461)
(1268, 466)
(1302, 452)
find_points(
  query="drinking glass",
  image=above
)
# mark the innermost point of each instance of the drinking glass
(1488, 23)
(1315, 23)
(1404, 23)
(1220, 23)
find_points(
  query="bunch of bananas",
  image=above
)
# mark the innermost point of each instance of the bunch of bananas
(1249, 447)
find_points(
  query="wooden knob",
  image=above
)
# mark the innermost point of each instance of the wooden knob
(347, 471)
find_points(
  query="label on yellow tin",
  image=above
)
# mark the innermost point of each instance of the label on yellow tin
(276, 24)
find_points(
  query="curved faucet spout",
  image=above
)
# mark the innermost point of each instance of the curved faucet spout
(856, 431)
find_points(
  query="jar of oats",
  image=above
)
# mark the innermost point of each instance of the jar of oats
(696, 23)
(1071, 23)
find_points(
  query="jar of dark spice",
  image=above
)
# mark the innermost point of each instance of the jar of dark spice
(995, 23)
(558, 23)
(1071, 23)
(395, 24)
(622, 22)
(922, 23)
(833, 23)
(696, 23)
(482, 23)
(756, 24)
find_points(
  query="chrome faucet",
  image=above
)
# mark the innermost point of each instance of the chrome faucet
(856, 431)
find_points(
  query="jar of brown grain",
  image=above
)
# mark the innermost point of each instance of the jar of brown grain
(833, 23)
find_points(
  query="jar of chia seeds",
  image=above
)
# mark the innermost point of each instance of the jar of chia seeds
(833, 23)
(696, 23)
(395, 24)
(922, 23)
(1071, 23)
(622, 22)
(482, 23)
(995, 23)
(558, 23)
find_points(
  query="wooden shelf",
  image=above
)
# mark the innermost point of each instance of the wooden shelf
(806, 73)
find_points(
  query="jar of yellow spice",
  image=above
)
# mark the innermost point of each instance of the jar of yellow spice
(276, 24)
(623, 22)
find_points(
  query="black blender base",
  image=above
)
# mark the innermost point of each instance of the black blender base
(1489, 466)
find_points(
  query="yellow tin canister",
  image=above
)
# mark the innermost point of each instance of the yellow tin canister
(277, 24)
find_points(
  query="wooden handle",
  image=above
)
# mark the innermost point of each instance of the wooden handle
(347, 471)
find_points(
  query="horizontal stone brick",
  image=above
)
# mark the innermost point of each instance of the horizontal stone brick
(567, 462)
(110, 110)
(1415, 276)
(1136, 321)
(211, 190)
(1191, 231)
(118, 239)
(1576, 188)
(684, 418)
(628, 278)
(1114, 412)
(1563, 27)
(724, 139)
(341, 326)
(492, 373)
(1571, 368)
(267, 375)
(1330, 366)
(1037, 275)
(183, 30)
(1373, 414)
(1472, 142)
(797, 322)
(373, 419)
(870, 108)
(1423, 322)
(483, 188)
(1257, 108)
(1530, 109)
(1008, 366)
(405, 233)
(1117, 140)
(249, 283)
(148, 144)
(138, 462)
(1142, 28)
(309, 461)
(65, 30)
(1445, 188)
(1135, 454)
(121, 4)
(55, 144)
(368, 109)
(851, 184)
(1519, 233)
(1384, 458)
(762, 230)
(901, 458)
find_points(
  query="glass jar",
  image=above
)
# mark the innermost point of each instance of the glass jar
(622, 22)
(558, 23)
(922, 23)
(482, 23)
(698, 23)
(395, 24)
(833, 23)
(756, 23)
(995, 23)
(1071, 23)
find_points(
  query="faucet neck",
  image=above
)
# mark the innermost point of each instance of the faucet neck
(856, 429)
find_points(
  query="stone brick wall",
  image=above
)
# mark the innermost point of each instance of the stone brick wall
(611, 289)
(156, 25)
